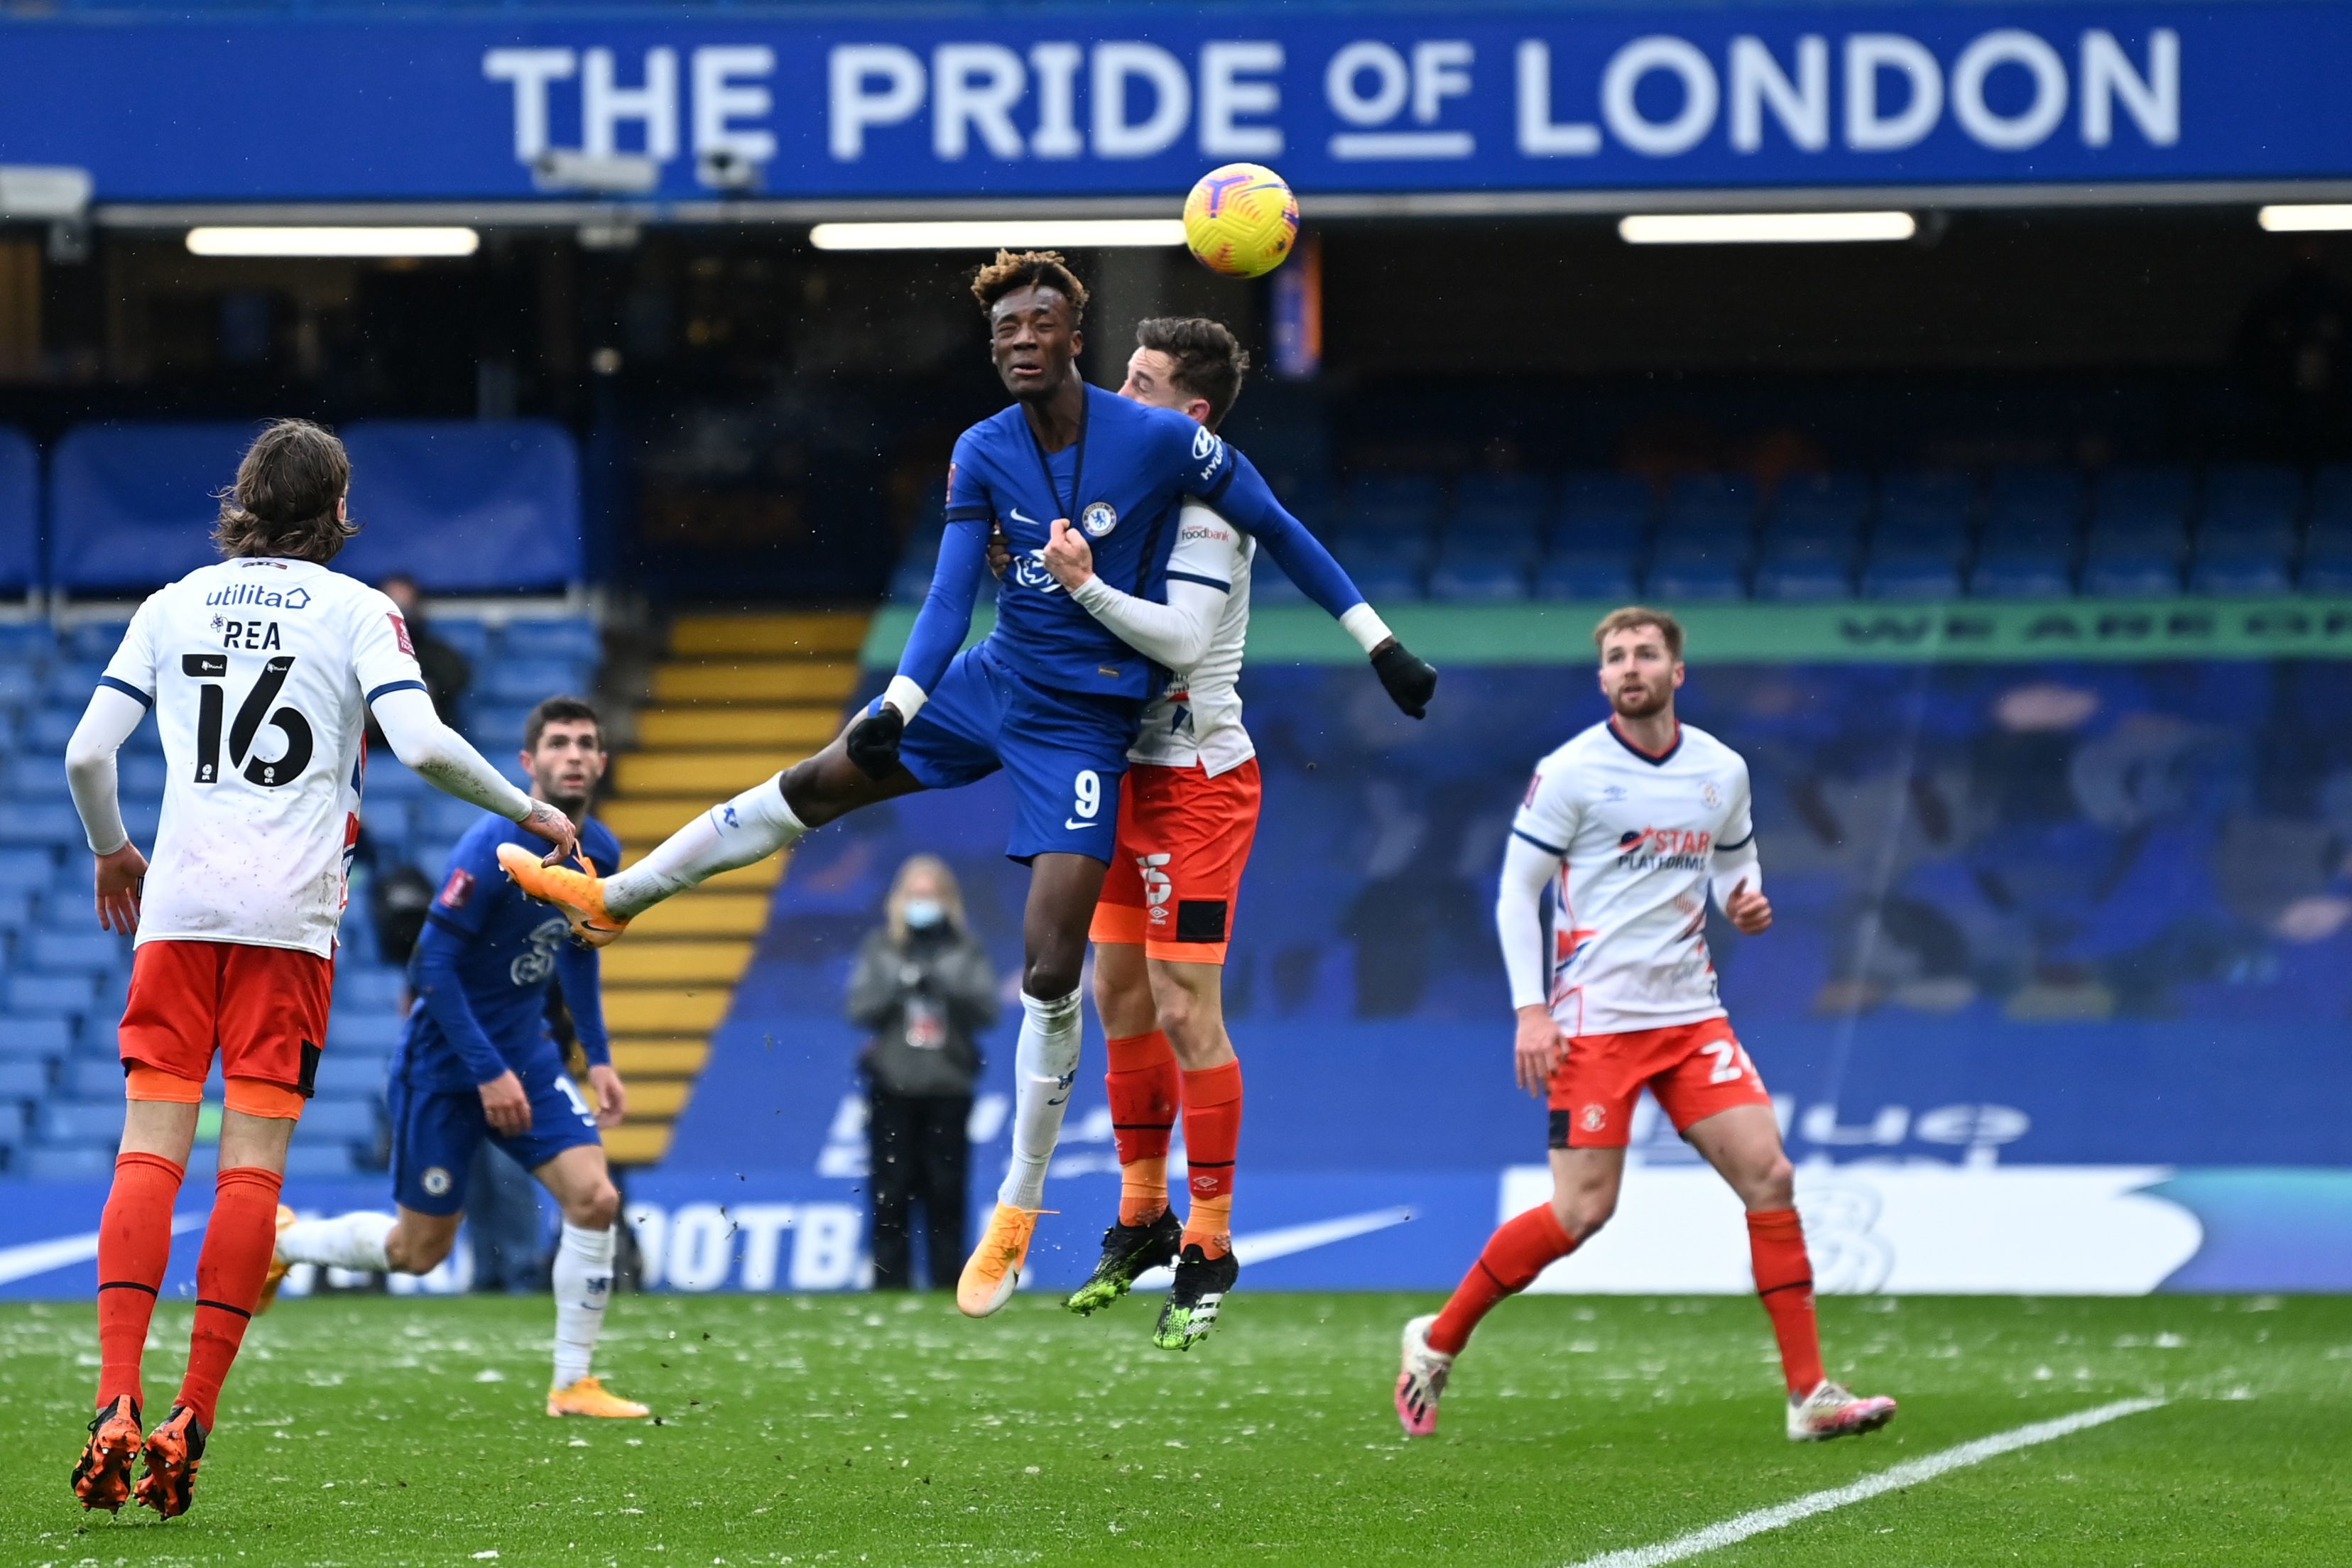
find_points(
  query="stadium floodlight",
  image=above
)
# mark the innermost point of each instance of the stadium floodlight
(1011, 234)
(1764, 228)
(321, 240)
(2305, 217)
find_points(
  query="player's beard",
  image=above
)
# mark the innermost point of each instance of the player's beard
(1652, 702)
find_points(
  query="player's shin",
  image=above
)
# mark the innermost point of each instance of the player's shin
(729, 836)
(347, 1241)
(1784, 1281)
(134, 1243)
(238, 1239)
(1519, 1250)
(1145, 1088)
(1213, 1131)
(1043, 1064)
(581, 1280)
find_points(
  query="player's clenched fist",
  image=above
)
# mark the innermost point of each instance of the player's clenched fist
(1750, 912)
(1537, 1049)
(1411, 680)
(506, 1105)
(1069, 556)
(873, 743)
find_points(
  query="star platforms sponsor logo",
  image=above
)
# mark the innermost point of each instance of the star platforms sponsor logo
(1665, 850)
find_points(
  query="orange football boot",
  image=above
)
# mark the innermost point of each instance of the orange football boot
(102, 1477)
(173, 1451)
(580, 895)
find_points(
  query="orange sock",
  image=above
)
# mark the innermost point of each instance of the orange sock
(134, 1245)
(1518, 1250)
(1784, 1278)
(238, 1240)
(1212, 1135)
(1145, 1087)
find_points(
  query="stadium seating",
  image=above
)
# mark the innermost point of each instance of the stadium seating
(20, 513)
(2246, 537)
(130, 506)
(62, 979)
(2138, 543)
(466, 506)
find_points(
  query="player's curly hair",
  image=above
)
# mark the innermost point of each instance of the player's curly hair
(1207, 360)
(284, 500)
(1024, 268)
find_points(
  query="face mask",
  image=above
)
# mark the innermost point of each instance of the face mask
(922, 914)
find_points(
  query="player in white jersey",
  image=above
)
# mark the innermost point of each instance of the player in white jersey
(261, 671)
(1631, 825)
(1186, 821)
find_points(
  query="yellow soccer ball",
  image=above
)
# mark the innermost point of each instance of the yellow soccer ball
(1240, 220)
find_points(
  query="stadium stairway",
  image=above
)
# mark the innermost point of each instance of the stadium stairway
(737, 698)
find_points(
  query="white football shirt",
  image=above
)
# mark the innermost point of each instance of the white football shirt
(1197, 716)
(259, 670)
(1636, 837)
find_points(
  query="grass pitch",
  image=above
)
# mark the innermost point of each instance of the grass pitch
(363, 1431)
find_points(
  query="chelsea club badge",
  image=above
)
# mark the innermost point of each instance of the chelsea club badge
(1099, 517)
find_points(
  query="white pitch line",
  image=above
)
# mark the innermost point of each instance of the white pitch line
(1908, 1474)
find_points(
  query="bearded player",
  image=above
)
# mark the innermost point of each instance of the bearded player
(1052, 698)
(1186, 819)
(261, 671)
(478, 1062)
(1633, 824)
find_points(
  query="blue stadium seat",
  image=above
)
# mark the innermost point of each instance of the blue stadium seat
(27, 870)
(1491, 542)
(94, 641)
(13, 1125)
(370, 986)
(131, 505)
(71, 681)
(467, 634)
(447, 816)
(466, 505)
(20, 688)
(328, 1120)
(22, 1077)
(20, 513)
(2139, 540)
(39, 824)
(91, 1077)
(350, 1075)
(46, 729)
(15, 910)
(1389, 580)
(75, 952)
(48, 996)
(388, 781)
(1812, 537)
(569, 637)
(2328, 544)
(82, 1123)
(319, 1163)
(35, 778)
(45, 1039)
(1598, 535)
(2246, 537)
(2027, 548)
(1270, 588)
(87, 1164)
(1921, 537)
(528, 681)
(1706, 539)
(372, 1033)
(497, 727)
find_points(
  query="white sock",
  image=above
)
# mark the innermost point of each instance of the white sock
(583, 1279)
(346, 1241)
(749, 829)
(1043, 1064)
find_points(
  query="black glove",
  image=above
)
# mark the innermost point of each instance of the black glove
(1411, 681)
(873, 743)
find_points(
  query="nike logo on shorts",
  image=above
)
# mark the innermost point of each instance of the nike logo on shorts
(1073, 824)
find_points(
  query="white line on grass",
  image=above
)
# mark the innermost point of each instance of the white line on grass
(1908, 1474)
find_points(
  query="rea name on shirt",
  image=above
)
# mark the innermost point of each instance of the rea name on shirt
(1636, 836)
(259, 670)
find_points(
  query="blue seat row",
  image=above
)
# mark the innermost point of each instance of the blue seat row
(2017, 532)
(462, 506)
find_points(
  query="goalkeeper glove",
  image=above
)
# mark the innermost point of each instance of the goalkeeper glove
(873, 743)
(1411, 680)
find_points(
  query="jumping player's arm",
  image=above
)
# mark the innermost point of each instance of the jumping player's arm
(1737, 877)
(452, 921)
(1224, 477)
(940, 626)
(1201, 572)
(1540, 835)
(394, 688)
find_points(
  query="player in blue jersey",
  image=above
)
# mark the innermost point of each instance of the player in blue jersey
(477, 1060)
(1052, 697)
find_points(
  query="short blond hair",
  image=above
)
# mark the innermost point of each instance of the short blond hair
(1626, 617)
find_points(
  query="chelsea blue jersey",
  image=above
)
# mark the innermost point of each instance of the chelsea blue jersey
(1121, 483)
(484, 966)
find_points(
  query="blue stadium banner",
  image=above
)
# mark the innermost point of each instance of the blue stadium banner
(1059, 100)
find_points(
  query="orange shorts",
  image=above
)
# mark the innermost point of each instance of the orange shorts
(1184, 838)
(263, 1009)
(1695, 1069)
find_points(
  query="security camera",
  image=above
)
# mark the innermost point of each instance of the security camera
(731, 172)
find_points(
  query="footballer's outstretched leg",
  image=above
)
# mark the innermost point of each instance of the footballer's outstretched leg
(1128, 1252)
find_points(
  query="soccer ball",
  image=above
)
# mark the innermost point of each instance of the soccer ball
(1240, 220)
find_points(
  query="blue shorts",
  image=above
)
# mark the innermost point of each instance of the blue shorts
(435, 1133)
(1064, 751)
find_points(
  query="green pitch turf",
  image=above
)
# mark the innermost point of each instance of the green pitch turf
(361, 1431)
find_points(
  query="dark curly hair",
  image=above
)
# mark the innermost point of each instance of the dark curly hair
(286, 494)
(1022, 269)
(1208, 360)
